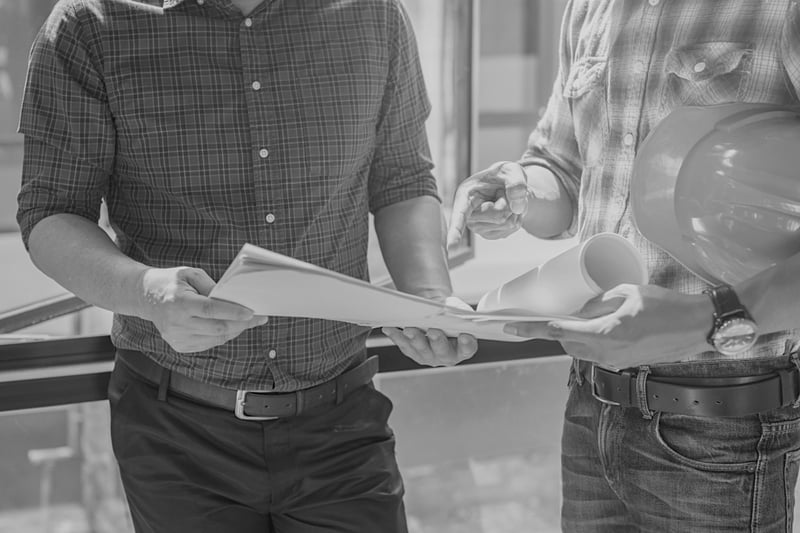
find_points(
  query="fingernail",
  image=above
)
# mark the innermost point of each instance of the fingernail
(513, 330)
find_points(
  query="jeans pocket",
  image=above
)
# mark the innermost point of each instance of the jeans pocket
(708, 443)
(365, 411)
(119, 383)
(791, 466)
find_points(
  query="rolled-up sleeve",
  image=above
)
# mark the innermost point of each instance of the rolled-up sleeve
(790, 46)
(65, 118)
(402, 167)
(553, 143)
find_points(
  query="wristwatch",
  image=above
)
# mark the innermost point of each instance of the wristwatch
(734, 329)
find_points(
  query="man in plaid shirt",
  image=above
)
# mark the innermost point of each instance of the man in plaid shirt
(626, 465)
(204, 125)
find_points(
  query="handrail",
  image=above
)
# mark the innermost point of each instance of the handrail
(47, 372)
(73, 370)
(40, 311)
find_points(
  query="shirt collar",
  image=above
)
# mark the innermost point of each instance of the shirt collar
(167, 4)
(224, 5)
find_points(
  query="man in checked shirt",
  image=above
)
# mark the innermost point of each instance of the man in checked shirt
(206, 124)
(634, 459)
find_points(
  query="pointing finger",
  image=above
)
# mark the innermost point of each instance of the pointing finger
(462, 208)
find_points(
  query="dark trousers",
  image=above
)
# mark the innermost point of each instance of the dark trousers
(191, 468)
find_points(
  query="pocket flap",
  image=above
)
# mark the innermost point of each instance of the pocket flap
(704, 61)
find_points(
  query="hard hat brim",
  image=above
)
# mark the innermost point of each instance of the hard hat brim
(656, 169)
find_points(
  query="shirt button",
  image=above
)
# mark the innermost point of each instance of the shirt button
(700, 67)
(628, 139)
(256, 85)
(201, 2)
(249, 22)
(272, 354)
(270, 218)
(653, 2)
(638, 66)
(263, 153)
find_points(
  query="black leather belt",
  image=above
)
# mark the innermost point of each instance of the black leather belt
(720, 397)
(253, 404)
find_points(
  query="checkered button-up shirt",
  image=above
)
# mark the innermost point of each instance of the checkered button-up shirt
(203, 130)
(623, 67)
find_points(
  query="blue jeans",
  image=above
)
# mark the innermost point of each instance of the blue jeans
(623, 472)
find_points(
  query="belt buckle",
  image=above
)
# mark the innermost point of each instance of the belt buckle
(238, 408)
(595, 395)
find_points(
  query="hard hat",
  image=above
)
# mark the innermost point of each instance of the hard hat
(718, 188)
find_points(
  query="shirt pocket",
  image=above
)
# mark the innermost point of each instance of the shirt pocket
(706, 73)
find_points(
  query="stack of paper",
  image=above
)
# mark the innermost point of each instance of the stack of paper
(272, 284)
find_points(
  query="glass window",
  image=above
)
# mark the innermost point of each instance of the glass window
(19, 22)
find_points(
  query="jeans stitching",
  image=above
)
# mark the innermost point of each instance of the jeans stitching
(742, 466)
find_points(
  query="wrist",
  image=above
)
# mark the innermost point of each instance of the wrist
(701, 319)
(550, 211)
(733, 330)
(140, 297)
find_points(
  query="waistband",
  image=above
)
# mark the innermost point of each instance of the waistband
(250, 404)
(712, 396)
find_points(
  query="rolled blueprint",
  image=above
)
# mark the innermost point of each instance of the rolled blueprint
(562, 284)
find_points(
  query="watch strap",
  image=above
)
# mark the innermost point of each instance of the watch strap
(726, 303)
(727, 308)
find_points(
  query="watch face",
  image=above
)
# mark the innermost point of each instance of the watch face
(735, 335)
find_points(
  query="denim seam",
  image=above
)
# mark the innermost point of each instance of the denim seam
(758, 481)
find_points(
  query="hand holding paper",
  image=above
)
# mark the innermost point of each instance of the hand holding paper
(562, 284)
(275, 285)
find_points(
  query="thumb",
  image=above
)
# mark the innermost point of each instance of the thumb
(516, 186)
(600, 305)
(199, 280)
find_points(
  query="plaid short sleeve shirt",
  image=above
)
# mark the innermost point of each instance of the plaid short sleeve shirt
(203, 129)
(626, 65)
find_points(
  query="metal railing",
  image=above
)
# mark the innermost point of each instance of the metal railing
(41, 311)
(47, 372)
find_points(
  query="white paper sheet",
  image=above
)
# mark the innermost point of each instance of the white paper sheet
(272, 284)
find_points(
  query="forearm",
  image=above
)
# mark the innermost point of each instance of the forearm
(411, 235)
(550, 210)
(80, 256)
(772, 296)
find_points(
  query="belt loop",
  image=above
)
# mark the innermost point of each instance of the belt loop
(795, 358)
(163, 385)
(575, 373)
(641, 392)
